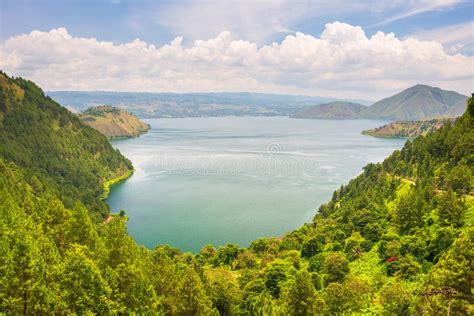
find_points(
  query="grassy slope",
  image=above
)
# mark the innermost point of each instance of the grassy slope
(113, 122)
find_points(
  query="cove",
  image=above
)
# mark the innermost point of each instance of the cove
(226, 180)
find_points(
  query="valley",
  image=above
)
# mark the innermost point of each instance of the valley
(401, 227)
(236, 158)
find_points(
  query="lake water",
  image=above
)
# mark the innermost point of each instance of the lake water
(226, 180)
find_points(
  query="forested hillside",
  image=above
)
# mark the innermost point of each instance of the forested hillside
(398, 239)
(48, 141)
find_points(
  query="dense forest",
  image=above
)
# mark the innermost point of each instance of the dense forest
(397, 239)
(54, 146)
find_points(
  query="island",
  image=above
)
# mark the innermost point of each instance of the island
(408, 129)
(113, 122)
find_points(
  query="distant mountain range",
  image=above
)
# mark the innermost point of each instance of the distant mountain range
(417, 103)
(114, 122)
(148, 105)
(336, 110)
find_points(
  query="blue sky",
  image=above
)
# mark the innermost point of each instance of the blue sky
(122, 20)
(448, 22)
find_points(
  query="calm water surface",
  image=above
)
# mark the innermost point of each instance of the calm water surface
(226, 180)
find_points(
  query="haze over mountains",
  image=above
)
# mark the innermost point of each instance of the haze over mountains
(155, 105)
(419, 102)
(415, 103)
(336, 110)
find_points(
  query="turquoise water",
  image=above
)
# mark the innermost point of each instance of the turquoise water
(226, 180)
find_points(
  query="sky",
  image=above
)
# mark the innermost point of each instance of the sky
(343, 49)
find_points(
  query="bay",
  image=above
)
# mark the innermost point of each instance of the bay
(226, 180)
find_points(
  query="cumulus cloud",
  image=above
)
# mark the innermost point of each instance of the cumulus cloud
(458, 38)
(342, 62)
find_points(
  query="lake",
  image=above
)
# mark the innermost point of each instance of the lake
(226, 180)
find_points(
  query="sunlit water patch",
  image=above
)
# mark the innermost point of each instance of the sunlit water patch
(225, 180)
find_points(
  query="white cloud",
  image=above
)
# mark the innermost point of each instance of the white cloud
(342, 62)
(457, 38)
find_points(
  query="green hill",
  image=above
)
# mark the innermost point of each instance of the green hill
(337, 110)
(419, 102)
(407, 129)
(39, 135)
(396, 240)
(114, 122)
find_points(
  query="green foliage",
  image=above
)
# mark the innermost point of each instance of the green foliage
(394, 299)
(400, 228)
(455, 269)
(275, 275)
(41, 136)
(312, 246)
(451, 209)
(336, 267)
(301, 298)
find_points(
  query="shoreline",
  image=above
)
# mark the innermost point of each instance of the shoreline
(388, 136)
(109, 183)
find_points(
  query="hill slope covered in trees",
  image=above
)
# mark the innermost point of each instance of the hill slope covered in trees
(402, 228)
(41, 136)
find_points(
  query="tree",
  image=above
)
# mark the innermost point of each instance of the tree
(459, 179)
(354, 245)
(335, 298)
(312, 246)
(227, 254)
(223, 291)
(455, 269)
(394, 299)
(301, 297)
(190, 296)
(275, 275)
(207, 253)
(450, 209)
(255, 297)
(336, 267)
(24, 271)
(83, 289)
(409, 212)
